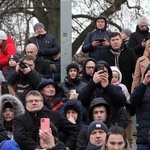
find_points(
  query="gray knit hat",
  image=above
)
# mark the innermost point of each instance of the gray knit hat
(127, 31)
(37, 25)
(3, 35)
(96, 125)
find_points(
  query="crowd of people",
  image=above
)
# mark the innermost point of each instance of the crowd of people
(106, 84)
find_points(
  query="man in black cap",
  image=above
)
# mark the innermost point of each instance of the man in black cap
(47, 44)
(97, 132)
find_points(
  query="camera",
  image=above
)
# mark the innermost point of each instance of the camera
(23, 65)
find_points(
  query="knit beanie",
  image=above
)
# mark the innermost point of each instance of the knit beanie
(127, 31)
(96, 125)
(72, 65)
(37, 25)
(3, 35)
(70, 107)
(15, 57)
(8, 104)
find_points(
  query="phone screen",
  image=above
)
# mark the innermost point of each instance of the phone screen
(45, 124)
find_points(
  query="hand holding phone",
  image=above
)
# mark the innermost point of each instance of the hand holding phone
(45, 124)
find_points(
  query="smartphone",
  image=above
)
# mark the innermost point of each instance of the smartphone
(45, 124)
(100, 40)
(101, 67)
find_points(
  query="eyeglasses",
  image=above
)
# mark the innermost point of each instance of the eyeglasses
(90, 67)
(34, 100)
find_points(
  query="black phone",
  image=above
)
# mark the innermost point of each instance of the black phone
(100, 40)
(101, 67)
(147, 38)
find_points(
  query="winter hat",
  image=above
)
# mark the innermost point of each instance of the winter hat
(8, 104)
(70, 107)
(127, 31)
(72, 65)
(116, 70)
(2, 79)
(15, 57)
(3, 35)
(37, 25)
(96, 125)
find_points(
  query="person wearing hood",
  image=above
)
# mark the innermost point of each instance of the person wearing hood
(51, 93)
(100, 86)
(10, 107)
(97, 41)
(46, 43)
(124, 58)
(72, 85)
(88, 69)
(137, 39)
(7, 48)
(99, 110)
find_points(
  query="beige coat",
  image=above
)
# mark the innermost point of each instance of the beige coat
(140, 68)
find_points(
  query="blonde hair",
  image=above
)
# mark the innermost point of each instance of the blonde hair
(146, 53)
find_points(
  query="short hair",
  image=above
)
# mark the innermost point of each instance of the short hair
(114, 34)
(35, 93)
(27, 57)
(117, 130)
(142, 19)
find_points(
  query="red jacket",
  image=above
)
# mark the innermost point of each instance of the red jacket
(10, 50)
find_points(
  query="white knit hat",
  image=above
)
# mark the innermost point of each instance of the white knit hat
(3, 35)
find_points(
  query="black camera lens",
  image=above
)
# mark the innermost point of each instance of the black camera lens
(22, 65)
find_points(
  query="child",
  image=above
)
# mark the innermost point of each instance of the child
(116, 80)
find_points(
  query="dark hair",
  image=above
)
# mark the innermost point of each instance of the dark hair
(27, 57)
(117, 130)
(114, 34)
(3, 47)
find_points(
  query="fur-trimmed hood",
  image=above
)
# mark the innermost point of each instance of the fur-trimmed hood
(17, 105)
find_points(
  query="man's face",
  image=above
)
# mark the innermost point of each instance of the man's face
(98, 137)
(30, 63)
(116, 42)
(115, 142)
(8, 114)
(73, 73)
(100, 24)
(31, 51)
(34, 103)
(99, 113)
(48, 91)
(143, 26)
(89, 68)
(39, 30)
(72, 113)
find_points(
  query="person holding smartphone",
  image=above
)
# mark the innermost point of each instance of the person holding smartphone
(97, 41)
(27, 131)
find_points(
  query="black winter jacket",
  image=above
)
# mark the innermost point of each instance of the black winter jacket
(136, 39)
(141, 99)
(26, 128)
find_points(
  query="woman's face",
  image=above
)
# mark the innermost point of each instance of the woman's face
(115, 142)
(8, 114)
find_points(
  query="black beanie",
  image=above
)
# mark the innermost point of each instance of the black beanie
(8, 104)
(96, 125)
(70, 107)
(72, 65)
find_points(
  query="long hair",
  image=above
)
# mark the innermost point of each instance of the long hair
(3, 47)
(146, 53)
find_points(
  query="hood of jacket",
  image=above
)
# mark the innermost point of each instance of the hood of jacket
(78, 106)
(17, 105)
(84, 74)
(98, 102)
(107, 66)
(115, 69)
